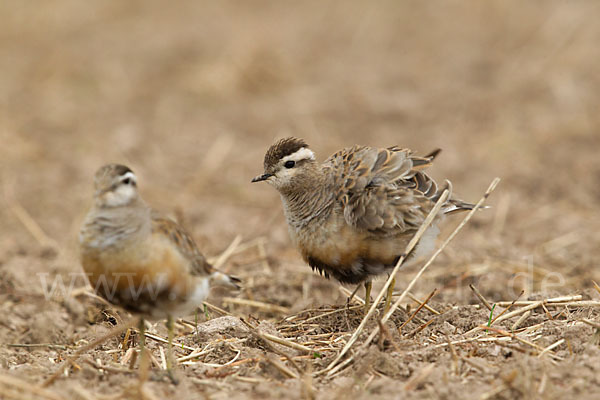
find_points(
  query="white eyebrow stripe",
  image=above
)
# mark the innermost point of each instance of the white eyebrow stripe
(303, 154)
(129, 175)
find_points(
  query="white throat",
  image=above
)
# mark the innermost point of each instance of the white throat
(120, 197)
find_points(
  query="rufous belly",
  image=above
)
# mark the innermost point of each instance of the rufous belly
(149, 277)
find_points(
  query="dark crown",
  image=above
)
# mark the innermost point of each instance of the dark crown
(282, 148)
(107, 173)
(113, 170)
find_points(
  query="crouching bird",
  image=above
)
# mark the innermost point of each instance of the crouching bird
(353, 215)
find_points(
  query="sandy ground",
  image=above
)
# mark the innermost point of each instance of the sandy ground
(191, 95)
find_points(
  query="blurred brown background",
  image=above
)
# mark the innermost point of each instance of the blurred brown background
(191, 94)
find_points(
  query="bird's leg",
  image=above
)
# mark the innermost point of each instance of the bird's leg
(388, 296)
(368, 286)
(142, 329)
(143, 369)
(352, 296)
(170, 328)
(125, 341)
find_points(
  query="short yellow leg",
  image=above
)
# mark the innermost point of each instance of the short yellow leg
(170, 328)
(368, 286)
(125, 342)
(388, 297)
(142, 329)
(349, 299)
(144, 360)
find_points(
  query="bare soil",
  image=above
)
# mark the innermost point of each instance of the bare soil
(192, 93)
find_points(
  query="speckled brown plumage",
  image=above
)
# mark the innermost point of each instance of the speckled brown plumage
(352, 216)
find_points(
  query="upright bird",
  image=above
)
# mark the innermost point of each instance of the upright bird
(139, 260)
(352, 216)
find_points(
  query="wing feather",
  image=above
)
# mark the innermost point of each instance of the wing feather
(386, 190)
(188, 248)
(184, 243)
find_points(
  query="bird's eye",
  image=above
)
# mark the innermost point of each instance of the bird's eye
(289, 164)
(127, 181)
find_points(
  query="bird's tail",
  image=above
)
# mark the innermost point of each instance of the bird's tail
(224, 279)
(455, 205)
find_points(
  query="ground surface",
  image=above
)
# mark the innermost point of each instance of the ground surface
(190, 96)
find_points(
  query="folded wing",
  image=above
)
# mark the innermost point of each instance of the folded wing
(386, 190)
(188, 248)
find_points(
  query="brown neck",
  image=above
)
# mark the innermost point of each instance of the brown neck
(311, 197)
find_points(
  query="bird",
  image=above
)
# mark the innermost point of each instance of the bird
(138, 259)
(352, 216)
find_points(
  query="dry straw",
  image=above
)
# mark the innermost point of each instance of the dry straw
(411, 245)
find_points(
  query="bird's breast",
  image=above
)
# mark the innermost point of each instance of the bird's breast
(140, 276)
(337, 246)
